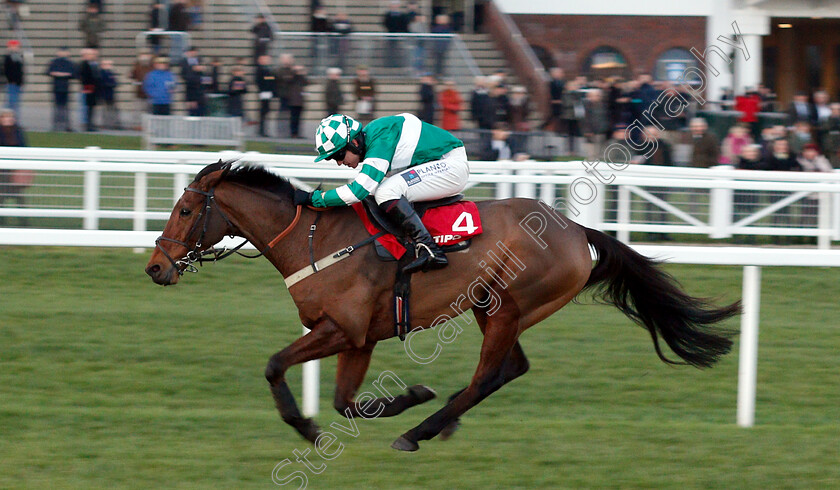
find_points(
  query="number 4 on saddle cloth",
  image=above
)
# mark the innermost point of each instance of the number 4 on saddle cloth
(450, 221)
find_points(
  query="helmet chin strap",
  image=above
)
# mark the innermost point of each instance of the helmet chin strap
(358, 149)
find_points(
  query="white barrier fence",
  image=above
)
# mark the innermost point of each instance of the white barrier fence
(140, 186)
(560, 184)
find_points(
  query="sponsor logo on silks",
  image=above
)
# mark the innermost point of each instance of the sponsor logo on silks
(411, 177)
(432, 168)
(446, 238)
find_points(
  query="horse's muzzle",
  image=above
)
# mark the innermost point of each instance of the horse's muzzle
(165, 275)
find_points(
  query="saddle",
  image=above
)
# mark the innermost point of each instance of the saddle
(393, 246)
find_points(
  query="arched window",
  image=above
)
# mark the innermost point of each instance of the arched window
(673, 63)
(604, 62)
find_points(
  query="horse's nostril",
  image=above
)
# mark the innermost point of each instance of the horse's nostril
(153, 269)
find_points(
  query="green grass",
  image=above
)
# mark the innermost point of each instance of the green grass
(108, 381)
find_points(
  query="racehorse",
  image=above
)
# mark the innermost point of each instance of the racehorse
(348, 305)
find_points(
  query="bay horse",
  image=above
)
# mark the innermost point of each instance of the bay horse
(348, 306)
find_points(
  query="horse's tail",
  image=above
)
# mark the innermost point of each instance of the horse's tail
(654, 300)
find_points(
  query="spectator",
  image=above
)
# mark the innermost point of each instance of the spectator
(596, 123)
(108, 90)
(395, 22)
(499, 146)
(573, 113)
(451, 104)
(800, 136)
(365, 93)
(737, 138)
(440, 45)
(195, 10)
(781, 158)
(483, 112)
(90, 78)
(556, 87)
(157, 23)
(13, 70)
(194, 90)
(61, 70)
(13, 183)
(812, 161)
(262, 36)
(142, 66)
(297, 89)
(800, 109)
(750, 158)
(179, 21)
(419, 27)
(237, 88)
(705, 149)
(332, 92)
(748, 105)
(519, 110)
(191, 58)
(501, 104)
(159, 85)
(266, 85)
(99, 4)
(427, 99)
(92, 25)
(320, 25)
(285, 73)
(831, 135)
(341, 47)
(662, 156)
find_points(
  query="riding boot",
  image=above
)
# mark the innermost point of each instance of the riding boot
(428, 254)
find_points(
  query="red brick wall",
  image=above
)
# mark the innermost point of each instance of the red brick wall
(641, 39)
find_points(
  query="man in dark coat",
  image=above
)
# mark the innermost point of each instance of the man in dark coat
(266, 85)
(262, 37)
(90, 78)
(61, 70)
(13, 74)
(428, 99)
(332, 92)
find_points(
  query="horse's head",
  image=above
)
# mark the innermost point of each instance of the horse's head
(195, 225)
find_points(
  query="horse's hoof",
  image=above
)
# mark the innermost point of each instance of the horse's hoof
(309, 430)
(449, 430)
(421, 393)
(403, 444)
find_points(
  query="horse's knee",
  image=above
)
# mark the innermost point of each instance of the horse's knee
(274, 369)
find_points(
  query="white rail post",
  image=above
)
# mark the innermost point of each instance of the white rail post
(623, 213)
(748, 357)
(91, 197)
(824, 221)
(141, 187)
(720, 209)
(504, 190)
(525, 189)
(311, 373)
(179, 183)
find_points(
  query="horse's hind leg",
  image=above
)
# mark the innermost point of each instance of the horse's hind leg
(349, 375)
(324, 340)
(515, 366)
(500, 336)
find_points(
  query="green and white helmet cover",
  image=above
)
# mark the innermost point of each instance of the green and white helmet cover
(333, 134)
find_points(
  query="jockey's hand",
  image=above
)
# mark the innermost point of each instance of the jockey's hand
(303, 198)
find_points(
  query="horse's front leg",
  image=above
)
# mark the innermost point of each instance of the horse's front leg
(349, 375)
(324, 340)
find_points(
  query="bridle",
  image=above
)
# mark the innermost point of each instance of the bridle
(196, 255)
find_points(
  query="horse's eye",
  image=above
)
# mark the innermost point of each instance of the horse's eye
(185, 212)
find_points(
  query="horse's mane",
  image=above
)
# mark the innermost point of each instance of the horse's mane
(254, 176)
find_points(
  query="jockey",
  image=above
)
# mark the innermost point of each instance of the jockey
(400, 160)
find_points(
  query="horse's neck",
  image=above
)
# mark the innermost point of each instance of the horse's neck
(261, 218)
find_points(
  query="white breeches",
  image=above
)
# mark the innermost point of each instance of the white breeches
(428, 181)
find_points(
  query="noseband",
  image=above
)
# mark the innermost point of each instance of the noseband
(185, 263)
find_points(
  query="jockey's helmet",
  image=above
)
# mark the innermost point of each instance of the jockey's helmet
(334, 133)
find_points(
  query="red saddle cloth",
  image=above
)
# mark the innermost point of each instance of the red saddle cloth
(448, 225)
